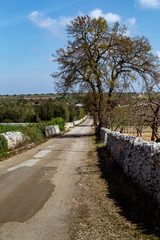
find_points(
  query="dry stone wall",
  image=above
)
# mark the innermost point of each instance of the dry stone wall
(52, 130)
(72, 124)
(15, 124)
(69, 125)
(14, 139)
(139, 159)
(77, 122)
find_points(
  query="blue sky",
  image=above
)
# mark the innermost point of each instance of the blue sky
(30, 31)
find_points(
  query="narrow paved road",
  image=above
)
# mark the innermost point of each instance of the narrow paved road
(37, 187)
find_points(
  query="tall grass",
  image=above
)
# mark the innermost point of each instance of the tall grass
(9, 128)
(35, 132)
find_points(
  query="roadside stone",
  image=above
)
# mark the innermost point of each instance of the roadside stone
(14, 139)
(52, 130)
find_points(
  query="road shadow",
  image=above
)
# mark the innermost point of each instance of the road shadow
(78, 135)
(136, 205)
(83, 125)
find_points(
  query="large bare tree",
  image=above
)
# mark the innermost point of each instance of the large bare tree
(100, 59)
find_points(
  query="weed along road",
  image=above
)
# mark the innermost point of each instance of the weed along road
(37, 187)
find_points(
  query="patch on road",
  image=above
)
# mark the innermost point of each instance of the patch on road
(29, 197)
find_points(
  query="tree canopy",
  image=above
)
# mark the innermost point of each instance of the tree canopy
(101, 59)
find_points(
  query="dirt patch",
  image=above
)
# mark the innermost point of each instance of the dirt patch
(95, 213)
(146, 132)
(145, 136)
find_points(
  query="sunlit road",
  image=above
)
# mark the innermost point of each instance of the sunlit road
(37, 187)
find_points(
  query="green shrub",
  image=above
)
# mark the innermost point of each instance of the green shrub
(50, 109)
(82, 113)
(57, 121)
(72, 113)
(61, 110)
(3, 144)
(75, 112)
(36, 132)
(42, 127)
(17, 113)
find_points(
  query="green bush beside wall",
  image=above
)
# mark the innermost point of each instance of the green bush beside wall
(57, 121)
(3, 144)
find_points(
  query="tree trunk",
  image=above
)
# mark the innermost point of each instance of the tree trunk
(154, 126)
(100, 111)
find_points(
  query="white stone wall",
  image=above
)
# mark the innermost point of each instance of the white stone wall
(139, 159)
(15, 124)
(77, 122)
(74, 123)
(14, 139)
(52, 130)
(69, 125)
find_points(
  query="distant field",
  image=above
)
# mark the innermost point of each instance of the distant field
(146, 132)
(8, 128)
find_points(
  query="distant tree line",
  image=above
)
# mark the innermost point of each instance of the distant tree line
(45, 111)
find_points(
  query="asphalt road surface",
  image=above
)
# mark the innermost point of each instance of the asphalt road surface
(37, 187)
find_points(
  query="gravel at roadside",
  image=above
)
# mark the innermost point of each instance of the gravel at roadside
(95, 215)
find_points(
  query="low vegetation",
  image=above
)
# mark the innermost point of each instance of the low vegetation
(3, 147)
(3, 144)
(35, 133)
(9, 128)
(57, 121)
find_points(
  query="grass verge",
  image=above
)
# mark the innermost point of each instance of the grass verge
(9, 128)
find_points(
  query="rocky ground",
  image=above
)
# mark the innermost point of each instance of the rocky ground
(96, 215)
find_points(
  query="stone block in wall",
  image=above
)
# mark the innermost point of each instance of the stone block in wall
(69, 125)
(74, 123)
(14, 139)
(52, 130)
(103, 135)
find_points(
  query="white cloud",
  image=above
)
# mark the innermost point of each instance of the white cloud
(131, 26)
(131, 21)
(63, 21)
(110, 17)
(38, 19)
(96, 13)
(158, 53)
(150, 3)
(51, 24)
(55, 26)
